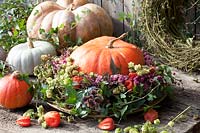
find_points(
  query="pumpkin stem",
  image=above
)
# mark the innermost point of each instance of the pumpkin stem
(15, 74)
(110, 44)
(71, 7)
(30, 43)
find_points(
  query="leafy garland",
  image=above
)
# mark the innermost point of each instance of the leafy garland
(61, 85)
(13, 16)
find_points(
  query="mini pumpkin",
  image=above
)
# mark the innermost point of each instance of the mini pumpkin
(14, 92)
(75, 19)
(2, 54)
(24, 57)
(107, 55)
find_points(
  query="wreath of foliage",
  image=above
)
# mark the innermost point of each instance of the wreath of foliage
(163, 24)
(60, 84)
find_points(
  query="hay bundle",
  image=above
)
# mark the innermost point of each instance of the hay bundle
(163, 25)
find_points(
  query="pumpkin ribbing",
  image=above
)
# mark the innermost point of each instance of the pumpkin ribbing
(14, 92)
(24, 57)
(78, 19)
(97, 56)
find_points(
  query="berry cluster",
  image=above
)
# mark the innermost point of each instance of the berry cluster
(93, 99)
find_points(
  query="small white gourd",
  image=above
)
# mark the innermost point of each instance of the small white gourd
(24, 57)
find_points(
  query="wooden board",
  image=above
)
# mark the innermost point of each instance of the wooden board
(197, 23)
(128, 9)
(98, 2)
(171, 107)
(114, 8)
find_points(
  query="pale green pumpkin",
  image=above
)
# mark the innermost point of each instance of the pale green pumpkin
(24, 57)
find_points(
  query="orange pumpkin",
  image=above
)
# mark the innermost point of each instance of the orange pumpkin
(14, 92)
(107, 55)
(75, 19)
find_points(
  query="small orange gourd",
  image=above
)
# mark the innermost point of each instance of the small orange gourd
(14, 92)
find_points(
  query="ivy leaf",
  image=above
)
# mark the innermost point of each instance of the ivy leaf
(70, 92)
(71, 95)
(77, 18)
(168, 79)
(122, 111)
(105, 90)
(151, 97)
(41, 31)
(169, 90)
(138, 104)
(117, 114)
(79, 41)
(84, 113)
(61, 26)
(122, 16)
(24, 77)
(122, 96)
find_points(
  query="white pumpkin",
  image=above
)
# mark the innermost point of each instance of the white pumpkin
(24, 57)
(2, 54)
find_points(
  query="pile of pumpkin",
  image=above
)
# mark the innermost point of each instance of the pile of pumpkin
(101, 53)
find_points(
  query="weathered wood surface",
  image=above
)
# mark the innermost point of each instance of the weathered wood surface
(114, 7)
(189, 95)
(98, 2)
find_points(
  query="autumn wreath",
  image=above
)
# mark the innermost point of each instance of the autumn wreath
(63, 85)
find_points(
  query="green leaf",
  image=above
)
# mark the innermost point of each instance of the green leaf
(83, 112)
(61, 26)
(70, 92)
(77, 18)
(151, 97)
(42, 31)
(71, 95)
(138, 104)
(169, 90)
(68, 83)
(117, 114)
(15, 32)
(1, 75)
(78, 104)
(79, 41)
(25, 77)
(122, 96)
(123, 110)
(121, 16)
(105, 90)
(168, 79)
(43, 90)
